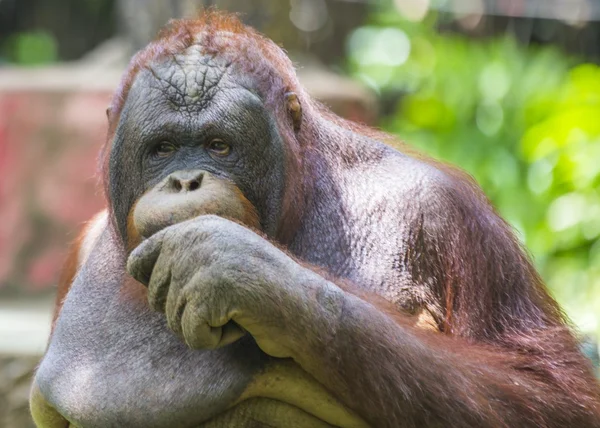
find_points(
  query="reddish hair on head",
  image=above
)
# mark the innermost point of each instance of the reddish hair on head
(213, 31)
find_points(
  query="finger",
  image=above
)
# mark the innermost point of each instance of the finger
(200, 332)
(142, 259)
(231, 332)
(176, 302)
(160, 284)
(197, 333)
(177, 299)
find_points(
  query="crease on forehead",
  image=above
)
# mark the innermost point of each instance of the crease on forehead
(160, 101)
(189, 80)
(192, 78)
(221, 34)
(188, 93)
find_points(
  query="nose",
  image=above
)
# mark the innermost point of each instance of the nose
(185, 181)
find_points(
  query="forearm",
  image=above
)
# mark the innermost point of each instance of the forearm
(434, 379)
(365, 358)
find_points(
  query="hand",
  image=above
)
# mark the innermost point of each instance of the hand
(215, 279)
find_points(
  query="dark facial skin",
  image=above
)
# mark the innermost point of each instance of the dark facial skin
(174, 114)
(207, 322)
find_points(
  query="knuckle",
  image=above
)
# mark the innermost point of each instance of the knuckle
(136, 258)
(211, 224)
(207, 218)
(133, 265)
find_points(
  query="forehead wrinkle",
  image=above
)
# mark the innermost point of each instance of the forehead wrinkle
(230, 110)
(150, 113)
(189, 80)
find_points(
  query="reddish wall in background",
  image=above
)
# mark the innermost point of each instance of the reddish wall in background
(49, 183)
(52, 126)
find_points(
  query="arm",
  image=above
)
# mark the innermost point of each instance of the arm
(506, 360)
(394, 374)
(78, 253)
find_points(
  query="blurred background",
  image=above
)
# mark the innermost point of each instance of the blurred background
(509, 90)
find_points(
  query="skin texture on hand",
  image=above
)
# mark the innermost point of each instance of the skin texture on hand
(215, 279)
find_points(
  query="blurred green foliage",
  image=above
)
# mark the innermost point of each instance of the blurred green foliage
(524, 121)
(31, 48)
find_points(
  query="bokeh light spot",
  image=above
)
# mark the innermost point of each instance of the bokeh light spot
(413, 10)
(566, 211)
(374, 46)
(309, 15)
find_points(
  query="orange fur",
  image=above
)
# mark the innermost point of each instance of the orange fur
(67, 275)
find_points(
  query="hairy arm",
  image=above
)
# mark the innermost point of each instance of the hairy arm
(505, 358)
(394, 374)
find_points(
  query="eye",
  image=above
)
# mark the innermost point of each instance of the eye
(164, 149)
(219, 147)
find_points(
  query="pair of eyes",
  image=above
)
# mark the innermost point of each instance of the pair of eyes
(216, 147)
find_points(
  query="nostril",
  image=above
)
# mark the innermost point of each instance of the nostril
(177, 185)
(184, 181)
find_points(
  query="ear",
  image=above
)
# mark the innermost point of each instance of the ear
(294, 109)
